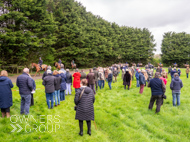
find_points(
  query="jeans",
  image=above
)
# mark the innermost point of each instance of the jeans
(109, 84)
(62, 95)
(138, 85)
(25, 104)
(100, 82)
(103, 83)
(49, 96)
(187, 75)
(68, 90)
(57, 97)
(176, 95)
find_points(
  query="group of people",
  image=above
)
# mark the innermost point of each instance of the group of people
(58, 83)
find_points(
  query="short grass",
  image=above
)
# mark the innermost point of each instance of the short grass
(120, 115)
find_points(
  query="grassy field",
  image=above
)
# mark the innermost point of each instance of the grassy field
(120, 115)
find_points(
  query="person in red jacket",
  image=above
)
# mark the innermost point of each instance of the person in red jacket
(76, 82)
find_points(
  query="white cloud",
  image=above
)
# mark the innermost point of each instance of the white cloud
(159, 16)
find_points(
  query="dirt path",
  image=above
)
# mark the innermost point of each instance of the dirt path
(13, 78)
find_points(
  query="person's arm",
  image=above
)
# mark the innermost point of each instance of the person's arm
(163, 87)
(171, 85)
(30, 83)
(11, 84)
(43, 83)
(17, 84)
(76, 100)
(34, 85)
(181, 84)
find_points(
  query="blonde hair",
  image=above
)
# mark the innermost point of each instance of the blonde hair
(55, 72)
(4, 73)
(61, 72)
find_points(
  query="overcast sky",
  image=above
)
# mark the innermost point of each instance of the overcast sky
(159, 16)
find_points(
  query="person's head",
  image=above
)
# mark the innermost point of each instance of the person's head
(174, 68)
(123, 70)
(109, 71)
(67, 70)
(163, 74)
(59, 59)
(60, 72)
(115, 69)
(48, 71)
(82, 70)
(170, 66)
(84, 82)
(62, 66)
(26, 70)
(156, 75)
(77, 70)
(4, 73)
(139, 70)
(40, 58)
(55, 72)
(176, 75)
(178, 68)
(187, 67)
(49, 68)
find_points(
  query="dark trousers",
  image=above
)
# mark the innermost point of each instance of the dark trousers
(32, 100)
(88, 122)
(125, 86)
(96, 83)
(5, 110)
(92, 87)
(158, 99)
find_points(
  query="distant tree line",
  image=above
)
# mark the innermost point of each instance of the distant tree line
(176, 48)
(54, 29)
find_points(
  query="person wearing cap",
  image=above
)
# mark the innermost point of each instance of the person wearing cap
(158, 88)
(25, 85)
(49, 82)
(176, 86)
(45, 73)
(69, 80)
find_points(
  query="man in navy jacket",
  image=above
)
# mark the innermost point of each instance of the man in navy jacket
(25, 85)
(158, 88)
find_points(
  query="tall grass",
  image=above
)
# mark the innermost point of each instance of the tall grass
(120, 115)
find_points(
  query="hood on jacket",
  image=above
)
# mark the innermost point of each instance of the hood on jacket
(176, 78)
(87, 90)
(3, 78)
(94, 68)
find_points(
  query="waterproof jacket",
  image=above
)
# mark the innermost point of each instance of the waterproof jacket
(25, 84)
(5, 92)
(49, 82)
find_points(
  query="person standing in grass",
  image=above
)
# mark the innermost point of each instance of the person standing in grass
(137, 77)
(173, 71)
(100, 78)
(33, 91)
(63, 85)
(83, 75)
(115, 73)
(76, 82)
(187, 72)
(110, 79)
(49, 82)
(96, 77)
(45, 73)
(57, 87)
(127, 79)
(68, 82)
(106, 72)
(91, 80)
(176, 86)
(5, 94)
(123, 73)
(179, 72)
(141, 82)
(169, 70)
(164, 80)
(84, 100)
(25, 85)
(158, 88)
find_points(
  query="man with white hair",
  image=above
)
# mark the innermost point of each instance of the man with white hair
(45, 73)
(25, 85)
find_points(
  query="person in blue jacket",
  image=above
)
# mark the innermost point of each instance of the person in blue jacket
(110, 78)
(5, 94)
(40, 62)
(137, 77)
(179, 71)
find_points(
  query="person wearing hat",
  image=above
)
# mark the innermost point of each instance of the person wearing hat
(40, 62)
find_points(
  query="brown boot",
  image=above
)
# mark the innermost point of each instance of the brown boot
(8, 114)
(3, 114)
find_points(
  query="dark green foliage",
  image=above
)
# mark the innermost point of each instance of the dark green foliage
(54, 29)
(175, 48)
